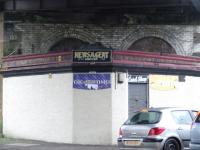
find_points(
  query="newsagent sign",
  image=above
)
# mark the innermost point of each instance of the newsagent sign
(91, 81)
(91, 56)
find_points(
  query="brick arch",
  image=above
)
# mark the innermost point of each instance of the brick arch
(157, 33)
(54, 37)
(152, 44)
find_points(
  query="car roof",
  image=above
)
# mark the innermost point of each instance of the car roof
(168, 108)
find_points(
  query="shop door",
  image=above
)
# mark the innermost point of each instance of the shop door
(137, 97)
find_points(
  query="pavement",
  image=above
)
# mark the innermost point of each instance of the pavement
(18, 144)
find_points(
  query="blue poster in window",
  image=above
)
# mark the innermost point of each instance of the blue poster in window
(91, 81)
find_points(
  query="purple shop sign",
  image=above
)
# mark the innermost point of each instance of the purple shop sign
(91, 81)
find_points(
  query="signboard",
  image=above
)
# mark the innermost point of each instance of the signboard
(91, 56)
(137, 78)
(163, 82)
(91, 81)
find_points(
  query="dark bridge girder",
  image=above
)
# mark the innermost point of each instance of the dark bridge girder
(196, 4)
(83, 5)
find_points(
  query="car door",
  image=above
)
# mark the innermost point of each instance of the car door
(195, 131)
(183, 120)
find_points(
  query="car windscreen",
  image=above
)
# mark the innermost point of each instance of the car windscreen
(150, 117)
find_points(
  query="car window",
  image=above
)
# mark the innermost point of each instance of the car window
(182, 117)
(197, 120)
(194, 113)
(149, 117)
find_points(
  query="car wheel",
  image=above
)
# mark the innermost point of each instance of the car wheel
(171, 144)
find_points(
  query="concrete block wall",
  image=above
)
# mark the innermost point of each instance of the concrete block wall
(39, 38)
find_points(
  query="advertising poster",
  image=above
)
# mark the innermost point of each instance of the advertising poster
(91, 81)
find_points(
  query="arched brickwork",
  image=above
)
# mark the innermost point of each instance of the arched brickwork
(68, 44)
(155, 32)
(152, 44)
(54, 37)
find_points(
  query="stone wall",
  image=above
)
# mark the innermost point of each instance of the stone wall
(39, 38)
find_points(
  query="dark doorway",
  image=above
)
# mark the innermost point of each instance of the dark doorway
(138, 93)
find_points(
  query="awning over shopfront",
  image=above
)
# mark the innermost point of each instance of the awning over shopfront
(120, 60)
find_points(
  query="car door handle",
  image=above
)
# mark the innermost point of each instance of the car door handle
(180, 128)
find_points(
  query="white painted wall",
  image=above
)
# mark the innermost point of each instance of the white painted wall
(98, 114)
(47, 108)
(184, 94)
(92, 117)
(38, 107)
(119, 104)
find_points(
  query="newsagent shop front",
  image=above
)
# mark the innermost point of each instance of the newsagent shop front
(78, 97)
(50, 99)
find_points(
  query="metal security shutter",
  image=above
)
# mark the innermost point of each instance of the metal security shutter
(138, 97)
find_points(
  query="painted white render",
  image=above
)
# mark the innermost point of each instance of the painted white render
(119, 105)
(38, 107)
(99, 114)
(92, 117)
(47, 108)
(180, 94)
